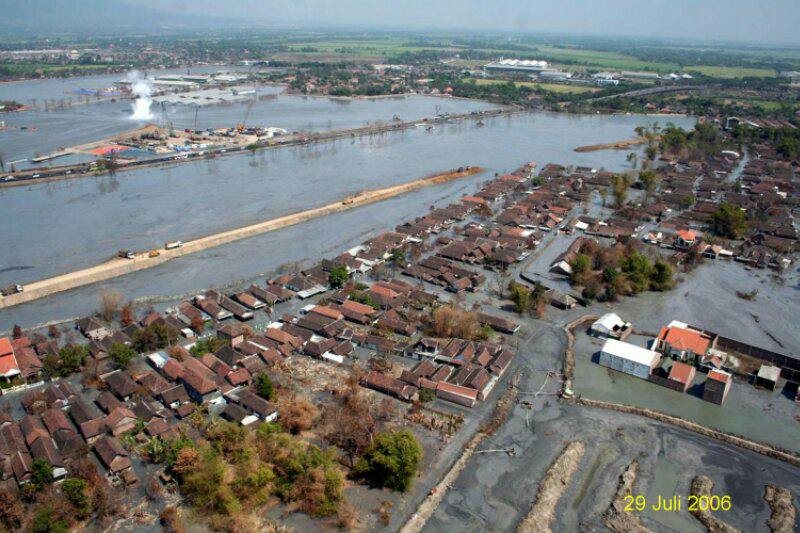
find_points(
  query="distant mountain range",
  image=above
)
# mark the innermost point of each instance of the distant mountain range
(25, 16)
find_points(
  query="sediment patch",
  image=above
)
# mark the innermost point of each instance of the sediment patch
(701, 486)
(784, 512)
(617, 518)
(551, 488)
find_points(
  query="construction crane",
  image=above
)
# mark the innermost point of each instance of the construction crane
(240, 126)
(165, 118)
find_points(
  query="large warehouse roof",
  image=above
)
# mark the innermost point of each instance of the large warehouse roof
(629, 351)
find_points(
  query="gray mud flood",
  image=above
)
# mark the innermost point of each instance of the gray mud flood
(73, 224)
(495, 491)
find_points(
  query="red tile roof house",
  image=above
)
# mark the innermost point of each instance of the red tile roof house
(121, 384)
(199, 384)
(120, 420)
(33, 429)
(93, 429)
(685, 239)
(717, 386)
(389, 385)
(456, 394)
(9, 368)
(112, 455)
(239, 377)
(231, 333)
(683, 374)
(684, 343)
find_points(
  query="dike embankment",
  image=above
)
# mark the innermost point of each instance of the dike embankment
(119, 266)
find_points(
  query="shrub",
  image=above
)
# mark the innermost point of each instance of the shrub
(41, 473)
(121, 354)
(426, 395)
(338, 276)
(452, 321)
(264, 386)
(391, 460)
(297, 415)
(75, 491)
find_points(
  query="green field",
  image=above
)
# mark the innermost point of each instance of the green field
(573, 58)
(733, 72)
(552, 87)
(766, 105)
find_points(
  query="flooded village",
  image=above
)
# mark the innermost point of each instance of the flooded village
(545, 332)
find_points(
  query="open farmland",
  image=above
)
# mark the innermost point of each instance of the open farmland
(552, 87)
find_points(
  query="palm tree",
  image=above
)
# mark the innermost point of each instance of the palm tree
(632, 158)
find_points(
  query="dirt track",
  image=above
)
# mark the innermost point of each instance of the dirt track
(119, 266)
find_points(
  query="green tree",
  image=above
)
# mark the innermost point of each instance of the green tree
(75, 491)
(728, 221)
(121, 354)
(41, 473)
(397, 258)
(338, 276)
(610, 274)
(580, 266)
(46, 521)
(661, 276)
(204, 346)
(619, 189)
(154, 337)
(426, 395)
(521, 296)
(391, 460)
(264, 386)
(73, 357)
(648, 179)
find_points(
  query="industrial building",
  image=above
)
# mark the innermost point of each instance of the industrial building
(628, 358)
(517, 65)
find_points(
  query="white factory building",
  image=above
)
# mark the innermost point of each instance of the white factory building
(517, 65)
(628, 358)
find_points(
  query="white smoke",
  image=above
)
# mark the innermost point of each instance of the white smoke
(142, 89)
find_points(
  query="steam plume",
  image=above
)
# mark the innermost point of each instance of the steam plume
(142, 90)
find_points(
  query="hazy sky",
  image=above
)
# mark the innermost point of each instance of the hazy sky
(731, 20)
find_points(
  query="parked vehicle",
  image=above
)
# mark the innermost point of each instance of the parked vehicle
(154, 253)
(12, 289)
(126, 254)
(173, 244)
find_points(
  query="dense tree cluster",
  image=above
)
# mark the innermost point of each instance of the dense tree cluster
(607, 273)
(728, 221)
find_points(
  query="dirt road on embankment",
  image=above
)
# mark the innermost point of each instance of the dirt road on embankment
(119, 267)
